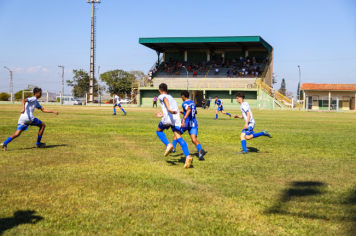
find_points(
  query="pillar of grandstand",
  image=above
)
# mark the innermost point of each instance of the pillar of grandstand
(209, 67)
(329, 96)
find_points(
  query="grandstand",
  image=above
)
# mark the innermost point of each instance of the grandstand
(213, 66)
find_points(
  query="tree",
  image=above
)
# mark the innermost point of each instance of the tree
(283, 88)
(30, 87)
(118, 81)
(4, 96)
(300, 92)
(80, 83)
(138, 76)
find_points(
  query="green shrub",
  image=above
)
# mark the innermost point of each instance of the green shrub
(4, 96)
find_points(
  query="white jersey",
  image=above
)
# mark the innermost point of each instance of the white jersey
(245, 107)
(27, 117)
(168, 118)
(117, 98)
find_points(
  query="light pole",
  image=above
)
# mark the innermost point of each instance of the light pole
(10, 84)
(187, 76)
(62, 79)
(99, 86)
(299, 89)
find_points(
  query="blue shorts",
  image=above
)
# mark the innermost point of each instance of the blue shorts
(117, 105)
(191, 130)
(174, 128)
(249, 131)
(220, 108)
(24, 127)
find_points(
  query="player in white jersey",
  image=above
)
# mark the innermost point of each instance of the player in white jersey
(117, 103)
(171, 119)
(247, 133)
(26, 119)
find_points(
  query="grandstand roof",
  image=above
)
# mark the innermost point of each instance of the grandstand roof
(328, 87)
(183, 43)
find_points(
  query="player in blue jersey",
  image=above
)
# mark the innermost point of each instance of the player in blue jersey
(189, 123)
(171, 119)
(117, 103)
(247, 133)
(26, 119)
(220, 107)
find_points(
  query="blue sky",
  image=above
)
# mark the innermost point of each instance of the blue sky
(36, 36)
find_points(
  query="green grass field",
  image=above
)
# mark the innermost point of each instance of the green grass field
(106, 175)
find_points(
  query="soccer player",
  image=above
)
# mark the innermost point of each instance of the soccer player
(220, 107)
(27, 118)
(189, 123)
(247, 133)
(117, 103)
(170, 119)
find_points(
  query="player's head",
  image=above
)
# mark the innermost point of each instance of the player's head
(163, 88)
(114, 93)
(185, 95)
(240, 96)
(37, 92)
(216, 97)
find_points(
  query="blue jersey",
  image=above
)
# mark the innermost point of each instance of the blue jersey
(218, 102)
(191, 121)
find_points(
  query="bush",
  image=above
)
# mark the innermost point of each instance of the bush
(4, 96)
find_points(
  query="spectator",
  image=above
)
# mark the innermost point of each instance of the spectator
(194, 74)
(228, 74)
(221, 59)
(207, 103)
(216, 71)
(234, 73)
(203, 103)
(189, 68)
(223, 63)
(256, 73)
(200, 69)
(241, 59)
(233, 60)
(154, 101)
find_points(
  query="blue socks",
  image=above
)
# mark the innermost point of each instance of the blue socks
(162, 137)
(184, 146)
(244, 147)
(258, 134)
(9, 139)
(198, 147)
(228, 114)
(123, 110)
(174, 143)
(115, 111)
(216, 116)
(39, 139)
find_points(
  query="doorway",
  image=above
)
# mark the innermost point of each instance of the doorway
(310, 103)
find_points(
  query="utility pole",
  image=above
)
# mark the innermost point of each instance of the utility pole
(62, 79)
(99, 102)
(92, 49)
(10, 83)
(299, 89)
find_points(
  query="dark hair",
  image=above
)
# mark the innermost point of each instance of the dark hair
(185, 93)
(114, 93)
(216, 96)
(36, 90)
(240, 95)
(163, 87)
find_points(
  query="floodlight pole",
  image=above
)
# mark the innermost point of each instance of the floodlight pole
(99, 87)
(10, 82)
(187, 77)
(92, 50)
(299, 89)
(62, 79)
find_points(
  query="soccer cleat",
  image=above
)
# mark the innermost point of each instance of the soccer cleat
(168, 150)
(188, 161)
(215, 118)
(266, 133)
(201, 155)
(173, 150)
(3, 146)
(125, 114)
(40, 145)
(242, 152)
(230, 115)
(114, 114)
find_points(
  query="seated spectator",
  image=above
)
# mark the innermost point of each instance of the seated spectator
(247, 65)
(241, 59)
(194, 74)
(253, 60)
(246, 73)
(203, 63)
(256, 73)
(243, 69)
(222, 63)
(216, 71)
(189, 68)
(169, 71)
(252, 74)
(234, 73)
(177, 73)
(233, 60)
(228, 74)
(200, 69)
(228, 63)
(221, 59)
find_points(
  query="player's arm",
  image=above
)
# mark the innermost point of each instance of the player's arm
(159, 114)
(236, 116)
(23, 104)
(48, 111)
(221, 103)
(186, 116)
(165, 100)
(247, 120)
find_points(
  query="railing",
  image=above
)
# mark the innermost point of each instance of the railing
(265, 70)
(205, 76)
(146, 81)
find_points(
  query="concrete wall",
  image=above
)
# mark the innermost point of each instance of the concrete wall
(324, 95)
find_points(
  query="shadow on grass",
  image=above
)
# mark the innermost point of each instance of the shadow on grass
(47, 146)
(252, 149)
(293, 192)
(350, 203)
(181, 160)
(19, 218)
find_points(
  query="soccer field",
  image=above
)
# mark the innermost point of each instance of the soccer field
(106, 175)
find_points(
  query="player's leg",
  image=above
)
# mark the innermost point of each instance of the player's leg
(263, 133)
(193, 135)
(174, 143)
(42, 127)
(226, 113)
(243, 143)
(217, 110)
(122, 109)
(114, 109)
(183, 144)
(9, 139)
(162, 136)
